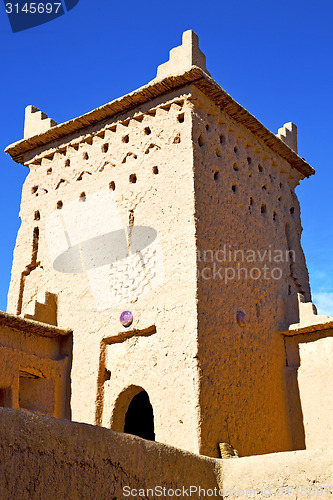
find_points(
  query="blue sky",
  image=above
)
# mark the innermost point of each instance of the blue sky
(274, 58)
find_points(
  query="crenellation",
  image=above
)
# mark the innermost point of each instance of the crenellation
(36, 122)
(36, 162)
(100, 135)
(88, 140)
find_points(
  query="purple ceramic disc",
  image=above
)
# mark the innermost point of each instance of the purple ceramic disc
(241, 318)
(126, 318)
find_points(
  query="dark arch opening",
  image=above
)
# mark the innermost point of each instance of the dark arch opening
(139, 418)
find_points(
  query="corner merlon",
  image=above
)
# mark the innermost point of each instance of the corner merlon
(36, 122)
(308, 312)
(288, 134)
(309, 321)
(183, 57)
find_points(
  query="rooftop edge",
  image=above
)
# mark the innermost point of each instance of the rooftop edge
(31, 326)
(190, 64)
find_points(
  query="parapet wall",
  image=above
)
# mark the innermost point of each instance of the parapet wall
(46, 458)
(288, 475)
(42, 457)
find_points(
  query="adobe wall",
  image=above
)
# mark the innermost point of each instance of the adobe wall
(289, 475)
(143, 160)
(42, 457)
(245, 201)
(34, 371)
(309, 373)
(228, 190)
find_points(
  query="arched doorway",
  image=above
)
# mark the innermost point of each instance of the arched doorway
(139, 418)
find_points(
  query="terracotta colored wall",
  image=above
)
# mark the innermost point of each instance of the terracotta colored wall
(217, 187)
(43, 457)
(298, 474)
(35, 372)
(309, 381)
(244, 200)
(157, 134)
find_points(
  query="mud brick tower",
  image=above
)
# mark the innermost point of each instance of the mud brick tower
(175, 204)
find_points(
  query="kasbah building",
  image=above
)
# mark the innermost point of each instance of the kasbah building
(159, 311)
